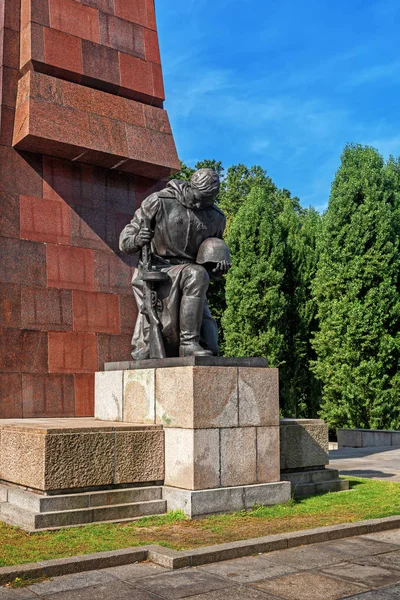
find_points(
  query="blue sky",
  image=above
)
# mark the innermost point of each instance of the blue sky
(282, 83)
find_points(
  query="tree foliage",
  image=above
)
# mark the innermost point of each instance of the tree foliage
(356, 290)
(269, 308)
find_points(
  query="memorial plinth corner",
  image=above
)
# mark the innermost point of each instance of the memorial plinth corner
(221, 427)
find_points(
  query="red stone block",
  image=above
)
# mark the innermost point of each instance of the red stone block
(151, 14)
(23, 351)
(114, 191)
(48, 396)
(10, 396)
(100, 64)
(84, 98)
(10, 48)
(84, 395)
(136, 76)
(70, 268)
(32, 46)
(104, 5)
(36, 11)
(151, 46)
(22, 262)
(158, 83)
(115, 224)
(46, 309)
(9, 215)
(34, 350)
(112, 273)
(7, 126)
(67, 181)
(10, 305)
(45, 220)
(29, 180)
(122, 35)
(134, 10)
(9, 82)
(48, 121)
(145, 187)
(72, 352)
(11, 10)
(88, 228)
(113, 348)
(74, 18)
(157, 118)
(128, 313)
(63, 51)
(95, 312)
(108, 136)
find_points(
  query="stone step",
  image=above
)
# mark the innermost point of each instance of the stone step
(66, 502)
(307, 477)
(32, 521)
(311, 489)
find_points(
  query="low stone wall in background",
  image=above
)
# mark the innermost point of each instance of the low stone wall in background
(367, 438)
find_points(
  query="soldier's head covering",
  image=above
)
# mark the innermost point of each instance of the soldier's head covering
(206, 181)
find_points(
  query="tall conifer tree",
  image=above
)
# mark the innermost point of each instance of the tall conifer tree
(357, 294)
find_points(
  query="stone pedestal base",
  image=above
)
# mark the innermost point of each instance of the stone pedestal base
(221, 425)
(197, 503)
(71, 455)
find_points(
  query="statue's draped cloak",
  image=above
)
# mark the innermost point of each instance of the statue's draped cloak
(179, 230)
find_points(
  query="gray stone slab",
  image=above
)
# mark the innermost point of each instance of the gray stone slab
(372, 576)
(108, 396)
(191, 361)
(390, 537)
(304, 444)
(390, 560)
(359, 547)
(349, 438)
(248, 569)
(17, 594)
(391, 593)
(136, 571)
(309, 586)
(372, 438)
(180, 584)
(236, 593)
(305, 557)
(70, 582)
(115, 590)
(224, 500)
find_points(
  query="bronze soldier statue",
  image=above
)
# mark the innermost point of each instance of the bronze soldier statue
(179, 234)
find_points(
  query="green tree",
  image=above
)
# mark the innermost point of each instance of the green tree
(269, 308)
(357, 293)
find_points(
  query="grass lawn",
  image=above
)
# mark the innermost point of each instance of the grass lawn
(367, 499)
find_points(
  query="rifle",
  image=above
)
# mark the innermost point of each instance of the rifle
(150, 306)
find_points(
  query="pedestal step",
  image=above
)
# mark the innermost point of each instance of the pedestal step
(33, 512)
(311, 482)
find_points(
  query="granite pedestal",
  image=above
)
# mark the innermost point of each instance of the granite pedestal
(304, 447)
(221, 426)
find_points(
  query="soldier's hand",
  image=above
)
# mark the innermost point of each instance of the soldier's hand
(222, 268)
(144, 237)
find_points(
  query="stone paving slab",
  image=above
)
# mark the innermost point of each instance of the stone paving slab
(309, 586)
(181, 584)
(370, 575)
(248, 570)
(392, 593)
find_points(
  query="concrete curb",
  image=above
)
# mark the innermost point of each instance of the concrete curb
(174, 559)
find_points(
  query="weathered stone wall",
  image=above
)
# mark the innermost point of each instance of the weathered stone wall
(83, 140)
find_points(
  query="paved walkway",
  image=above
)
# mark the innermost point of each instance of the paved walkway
(362, 568)
(374, 463)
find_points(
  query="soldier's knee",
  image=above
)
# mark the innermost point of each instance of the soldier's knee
(196, 280)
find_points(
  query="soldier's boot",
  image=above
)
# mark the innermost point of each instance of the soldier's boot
(191, 317)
